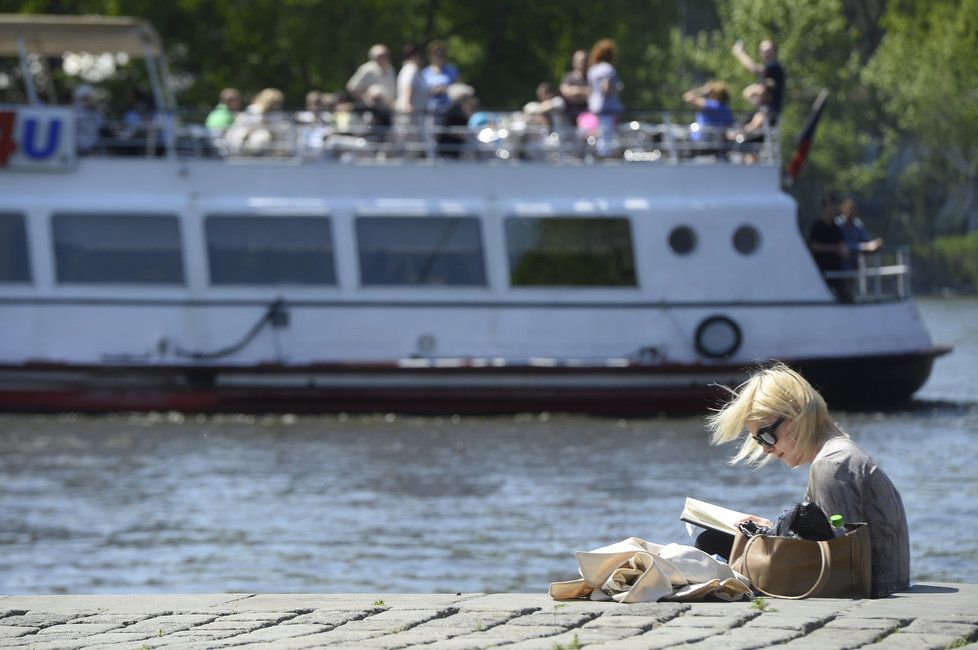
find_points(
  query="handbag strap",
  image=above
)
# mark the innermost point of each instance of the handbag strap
(823, 574)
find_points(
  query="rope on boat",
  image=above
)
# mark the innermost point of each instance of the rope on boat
(274, 315)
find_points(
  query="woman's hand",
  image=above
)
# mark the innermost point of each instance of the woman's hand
(760, 521)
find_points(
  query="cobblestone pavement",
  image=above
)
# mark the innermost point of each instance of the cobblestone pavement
(929, 616)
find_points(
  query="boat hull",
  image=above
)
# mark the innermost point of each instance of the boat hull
(441, 387)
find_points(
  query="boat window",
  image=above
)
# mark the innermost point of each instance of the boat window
(250, 250)
(14, 263)
(682, 240)
(569, 251)
(117, 248)
(420, 251)
(746, 239)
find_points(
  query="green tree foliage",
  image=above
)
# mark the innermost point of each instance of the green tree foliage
(925, 71)
(504, 48)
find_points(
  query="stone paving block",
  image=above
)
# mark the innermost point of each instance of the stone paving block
(638, 622)
(274, 633)
(789, 621)
(921, 641)
(838, 638)
(746, 639)
(335, 638)
(333, 617)
(392, 620)
(281, 602)
(512, 633)
(923, 626)
(472, 621)
(116, 619)
(39, 619)
(457, 643)
(169, 624)
(74, 630)
(851, 623)
(666, 637)
(692, 619)
(270, 618)
(658, 611)
(560, 619)
(577, 638)
(12, 631)
(508, 601)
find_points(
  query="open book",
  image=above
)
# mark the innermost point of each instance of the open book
(707, 515)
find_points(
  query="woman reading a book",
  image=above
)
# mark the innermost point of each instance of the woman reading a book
(785, 418)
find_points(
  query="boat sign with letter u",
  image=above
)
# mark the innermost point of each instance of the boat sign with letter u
(36, 138)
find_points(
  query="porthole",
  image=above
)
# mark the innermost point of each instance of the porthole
(746, 240)
(717, 337)
(682, 240)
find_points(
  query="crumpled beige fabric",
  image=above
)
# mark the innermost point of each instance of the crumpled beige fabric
(636, 571)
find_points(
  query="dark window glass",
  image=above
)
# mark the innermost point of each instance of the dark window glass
(14, 261)
(746, 240)
(420, 251)
(573, 252)
(269, 250)
(682, 240)
(117, 248)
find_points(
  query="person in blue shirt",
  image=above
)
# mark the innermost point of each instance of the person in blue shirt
(711, 102)
(854, 234)
(439, 75)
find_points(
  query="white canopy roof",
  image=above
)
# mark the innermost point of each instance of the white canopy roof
(48, 35)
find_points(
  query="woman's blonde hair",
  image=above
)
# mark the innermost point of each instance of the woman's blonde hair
(770, 393)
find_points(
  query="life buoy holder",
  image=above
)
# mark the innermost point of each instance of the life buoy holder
(717, 337)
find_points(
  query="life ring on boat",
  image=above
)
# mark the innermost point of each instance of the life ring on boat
(717, 337)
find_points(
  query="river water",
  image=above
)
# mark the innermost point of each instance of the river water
(163, 503)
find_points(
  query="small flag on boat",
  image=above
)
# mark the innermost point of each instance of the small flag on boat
(807, 135)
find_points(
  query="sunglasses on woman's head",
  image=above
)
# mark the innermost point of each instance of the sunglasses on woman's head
(766, 435)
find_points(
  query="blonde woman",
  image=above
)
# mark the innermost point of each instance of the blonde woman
(777, 414)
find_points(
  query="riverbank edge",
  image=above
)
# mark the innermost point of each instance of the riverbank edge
(930, 615)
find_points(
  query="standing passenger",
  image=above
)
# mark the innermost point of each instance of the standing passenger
(769, 72)
(829, 247)
(412, 104)
(377, 70)
(604, 100)
(574, 87)
(854, 234)
(439, 74)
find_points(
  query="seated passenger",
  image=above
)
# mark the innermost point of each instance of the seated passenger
(453, 137)
(90, 124)
(713, 116)
(222, 116)
(262, 128)
(751, 132)
(548, 110)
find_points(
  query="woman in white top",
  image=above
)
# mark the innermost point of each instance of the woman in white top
(785, 418)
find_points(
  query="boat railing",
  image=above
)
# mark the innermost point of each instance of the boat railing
(879, 276)
(640, 137)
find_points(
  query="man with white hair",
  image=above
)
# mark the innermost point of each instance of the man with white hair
(377, 71)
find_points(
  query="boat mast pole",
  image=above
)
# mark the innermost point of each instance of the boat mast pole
(26, 70)
(161, 101)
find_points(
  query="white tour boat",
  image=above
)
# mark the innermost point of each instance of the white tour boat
(383, 283)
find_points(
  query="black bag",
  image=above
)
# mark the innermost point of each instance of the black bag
(805, 521)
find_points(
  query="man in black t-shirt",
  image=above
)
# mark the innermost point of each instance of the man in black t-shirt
(769, 72)
(829, 247)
